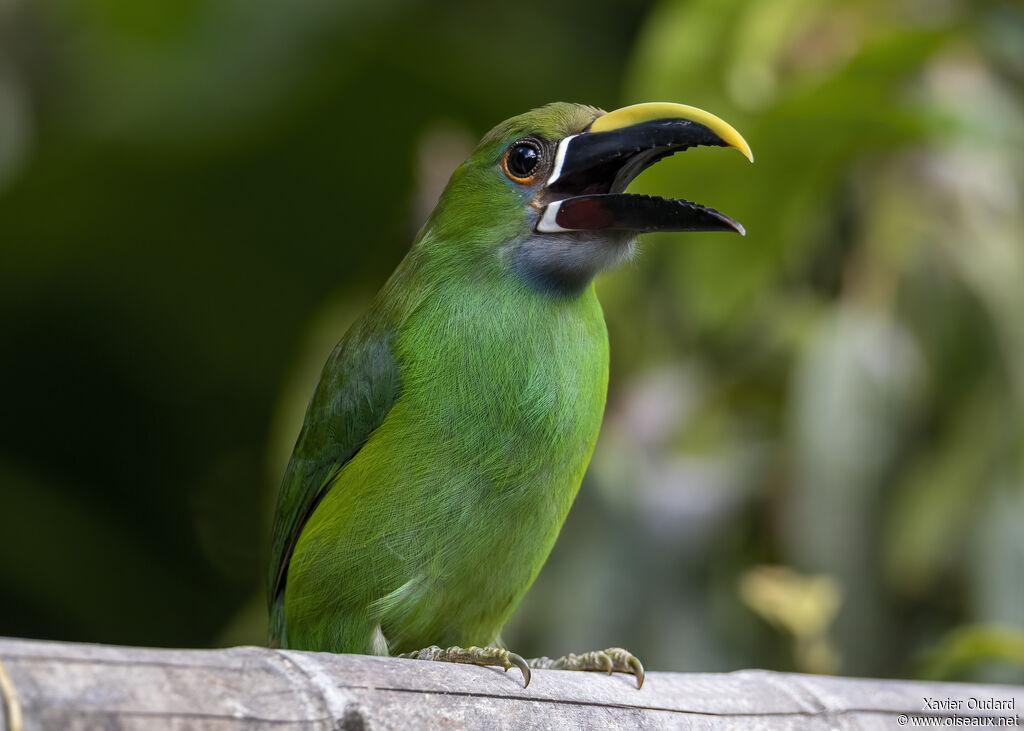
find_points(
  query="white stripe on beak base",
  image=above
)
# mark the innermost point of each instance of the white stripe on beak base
(547, 223)
(559, 159)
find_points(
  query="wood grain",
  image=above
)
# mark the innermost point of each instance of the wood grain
(78, 686)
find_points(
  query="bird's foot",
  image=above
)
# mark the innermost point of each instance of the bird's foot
(612, 660)
(497, 656)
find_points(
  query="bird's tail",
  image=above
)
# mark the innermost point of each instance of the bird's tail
(278, 635)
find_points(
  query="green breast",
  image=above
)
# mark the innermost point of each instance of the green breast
(440, 523)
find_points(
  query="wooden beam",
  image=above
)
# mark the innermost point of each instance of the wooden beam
(58, 685)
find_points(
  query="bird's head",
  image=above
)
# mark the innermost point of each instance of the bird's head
(542, 196)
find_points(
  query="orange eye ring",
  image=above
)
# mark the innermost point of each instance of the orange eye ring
(521, 161)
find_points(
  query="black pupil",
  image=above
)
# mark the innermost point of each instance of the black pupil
(523, 159)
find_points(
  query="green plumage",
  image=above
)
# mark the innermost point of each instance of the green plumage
(449, 432)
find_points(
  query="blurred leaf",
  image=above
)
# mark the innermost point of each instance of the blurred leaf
(968, 646)
(803, 606)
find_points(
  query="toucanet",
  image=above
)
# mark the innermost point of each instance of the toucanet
(450, 429)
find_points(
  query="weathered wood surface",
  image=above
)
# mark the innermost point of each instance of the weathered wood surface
(76, 686)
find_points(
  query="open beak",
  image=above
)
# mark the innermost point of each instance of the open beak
(591, 169)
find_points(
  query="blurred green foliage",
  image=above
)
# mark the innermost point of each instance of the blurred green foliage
(197, 197)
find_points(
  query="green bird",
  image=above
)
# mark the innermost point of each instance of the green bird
(452, 424)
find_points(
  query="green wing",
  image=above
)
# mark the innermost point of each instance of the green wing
(359, 385)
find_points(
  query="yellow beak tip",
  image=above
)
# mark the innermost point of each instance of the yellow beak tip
(667, 110)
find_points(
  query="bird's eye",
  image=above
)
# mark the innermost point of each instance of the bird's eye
(521, 160)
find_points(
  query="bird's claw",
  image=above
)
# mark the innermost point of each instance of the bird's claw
(497, 656)
(614, 659)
